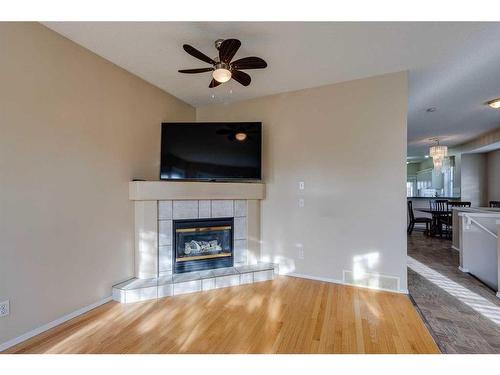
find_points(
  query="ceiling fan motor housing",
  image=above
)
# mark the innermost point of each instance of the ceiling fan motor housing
(221, 65)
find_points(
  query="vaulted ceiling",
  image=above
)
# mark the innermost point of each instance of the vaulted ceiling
(453, 67)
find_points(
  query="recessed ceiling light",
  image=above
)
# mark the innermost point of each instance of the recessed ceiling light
(431, 109)
(495, 103)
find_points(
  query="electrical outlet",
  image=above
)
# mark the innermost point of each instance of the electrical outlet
(301, 202)
(300, 251)
(4, 308)
(301, 185)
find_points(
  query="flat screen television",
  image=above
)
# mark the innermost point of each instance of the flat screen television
(214, 151)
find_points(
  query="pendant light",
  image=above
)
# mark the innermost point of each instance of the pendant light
(438, 153)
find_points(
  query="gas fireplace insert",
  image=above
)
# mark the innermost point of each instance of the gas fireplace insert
(202, 244)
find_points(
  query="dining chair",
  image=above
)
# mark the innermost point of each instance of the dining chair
(417, 220)
(495, 204)
(438, 204)
(458, 204)
(447, 220)
(439, 208)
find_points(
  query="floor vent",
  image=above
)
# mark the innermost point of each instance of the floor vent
(371, 280)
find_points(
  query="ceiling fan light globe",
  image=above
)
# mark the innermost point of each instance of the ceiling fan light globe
(495, 103)
(240, 136)
(221, 75)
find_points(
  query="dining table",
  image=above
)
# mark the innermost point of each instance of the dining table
(436, 214)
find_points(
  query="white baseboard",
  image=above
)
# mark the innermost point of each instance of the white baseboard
(6, 345)
(293, 274)
(341, 282)
(455, 248)
(498, 294)
(463, 269)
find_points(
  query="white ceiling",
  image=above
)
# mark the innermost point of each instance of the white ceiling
(454, 67)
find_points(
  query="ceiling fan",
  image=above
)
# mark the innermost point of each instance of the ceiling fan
(238, 133)
(222, 68)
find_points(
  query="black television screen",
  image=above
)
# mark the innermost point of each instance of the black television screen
(211, 151)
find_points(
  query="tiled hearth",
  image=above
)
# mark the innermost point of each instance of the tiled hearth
(201, 209)
(136, 290)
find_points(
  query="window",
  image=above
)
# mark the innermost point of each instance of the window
(411, 186)
(409, 189)
(448, 176)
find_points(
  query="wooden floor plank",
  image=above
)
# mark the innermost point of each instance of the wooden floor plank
(286, 315)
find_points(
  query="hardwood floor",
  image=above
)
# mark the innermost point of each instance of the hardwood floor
(286, 315)
(462, 313)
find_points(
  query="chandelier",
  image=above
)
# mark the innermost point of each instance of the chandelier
(438, 153)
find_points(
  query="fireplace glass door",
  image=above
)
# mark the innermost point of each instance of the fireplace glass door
(202, 244)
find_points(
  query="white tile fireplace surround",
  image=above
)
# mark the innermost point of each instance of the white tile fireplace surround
(201, 209)
(159, 203)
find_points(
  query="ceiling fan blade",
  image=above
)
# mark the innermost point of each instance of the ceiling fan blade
(199, 70)
(251, 62)
(228, 49)
(199, 55)
(241, 77)
(213, 84)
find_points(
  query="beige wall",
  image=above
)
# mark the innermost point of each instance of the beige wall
(493, 175)
(474, 179)
(348, 143)
(481, 141)
(412, 169)
(74, 129)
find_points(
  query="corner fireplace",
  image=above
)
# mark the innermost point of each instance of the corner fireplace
(202, 244)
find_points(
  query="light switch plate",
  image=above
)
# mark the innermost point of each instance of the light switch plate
(4, 308)
(301, 185)
(301, 202)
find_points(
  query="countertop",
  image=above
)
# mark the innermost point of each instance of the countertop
(433, 197)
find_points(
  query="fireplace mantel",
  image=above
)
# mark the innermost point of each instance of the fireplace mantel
(180, 190)
(191, 200)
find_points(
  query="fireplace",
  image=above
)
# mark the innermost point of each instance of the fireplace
(202, 244)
